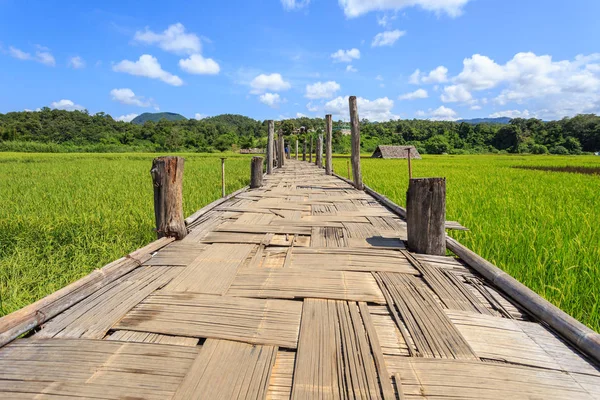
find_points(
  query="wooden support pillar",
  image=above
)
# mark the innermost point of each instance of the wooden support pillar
(281, 162)
(256, 172)
(328, 145)
(355, 157)
(167, 177)
(270, 147)
(426, 216)
(296, 149)
(223, 177)
(310, 153)
(304, 149)
(319, 156)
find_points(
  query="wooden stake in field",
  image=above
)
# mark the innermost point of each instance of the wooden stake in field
(223, 176)
(409, 166)
(270, 147)
(256, 172)
(167, 178)
(319, 157)
(355, 156)
(328, 145)
(426, 216)
(348, 165)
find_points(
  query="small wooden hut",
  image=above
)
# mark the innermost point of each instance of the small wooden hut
(396, 152)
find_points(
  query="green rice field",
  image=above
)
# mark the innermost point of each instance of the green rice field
(63, 215)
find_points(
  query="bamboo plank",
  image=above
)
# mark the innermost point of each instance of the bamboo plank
(148, 337)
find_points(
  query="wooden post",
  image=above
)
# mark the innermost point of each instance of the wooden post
(409, 166)
(223, 177)
(296, 149)
(270, 147)
(355, 157)
(256, 172)
(328, 145)
(304, 149)
(167, 177)
(348, 165)
(319, 156)
(426, 216)
(310, 153)
(281, 150)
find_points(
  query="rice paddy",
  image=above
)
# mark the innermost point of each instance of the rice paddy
(63, 215)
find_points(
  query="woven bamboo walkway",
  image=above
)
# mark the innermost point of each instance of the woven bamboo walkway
(302, 289)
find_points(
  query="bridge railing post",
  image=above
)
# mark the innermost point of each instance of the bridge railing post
(256, 172)
(270, 146)
(167, 179)
(426, 216)
(328, 145)
(355, 131)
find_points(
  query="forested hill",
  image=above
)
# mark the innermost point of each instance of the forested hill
(155, 117)
(57, 130)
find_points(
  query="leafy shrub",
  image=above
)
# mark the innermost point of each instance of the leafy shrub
(539, 149)
(560, 150)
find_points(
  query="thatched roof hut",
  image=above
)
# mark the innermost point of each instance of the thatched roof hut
(396, 152)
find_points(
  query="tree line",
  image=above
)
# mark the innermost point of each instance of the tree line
(58, 130)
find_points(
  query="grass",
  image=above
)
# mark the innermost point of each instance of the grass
(542, 227)
(63, 215)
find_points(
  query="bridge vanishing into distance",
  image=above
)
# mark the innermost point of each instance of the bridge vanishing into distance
(305, 286)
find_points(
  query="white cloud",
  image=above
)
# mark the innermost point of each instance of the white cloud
(149, 67)
(300, 115)
(346, 55)
(350, 68)
(273, 82)
(373, 110)
(196, 64)
(67, 105)
(291, 5)
(442, 114)
(456, 94)
(386, 20)
(42, 55)
(174, 39)
(513, 114)
(420, 113)
(270, 99)
(199, 116)
(417, 94)
(387, 38)
(127, 117)
(355, 8)
(379, 78)
(76, 62)
(322, 90)
(555, 88)
(126, 96)
(312, 108)
(438, 75)
(476, 108)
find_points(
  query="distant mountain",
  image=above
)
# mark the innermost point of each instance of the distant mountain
(475, 121)
(155, 117)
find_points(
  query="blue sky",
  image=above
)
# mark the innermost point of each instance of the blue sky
(272, 59)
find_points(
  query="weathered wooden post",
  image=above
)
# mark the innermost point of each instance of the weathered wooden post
(296, 149)
(409, 166)
(319, 157)
(167, 178)
(328, 145)
(304, 148)
(281, 150)
(426, 216)
(223, 176)
(348, 165)
(256, 172)
(270, 146)
(310, 153)
(355, 157)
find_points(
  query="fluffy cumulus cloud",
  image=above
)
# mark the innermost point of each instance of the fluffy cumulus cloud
(355, 8)
(76, 62)
(199, 116)
(271, 99)
(322, 90)
(442, 114)
(387, 38)
(438, 75)
(350, 68)
(555, 88)
(149, 67)
(67, 105)
(196, 64)
(291, 5)
(42, 55)
(417, 94)
(456, 94)
(346, 55)
(373, 110)
(174, 39)
(271, 82)
(126, 96)
(127, 117)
